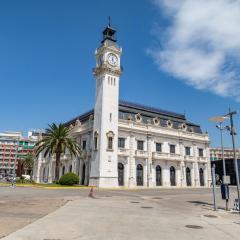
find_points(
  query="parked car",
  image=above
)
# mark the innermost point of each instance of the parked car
(27, 177)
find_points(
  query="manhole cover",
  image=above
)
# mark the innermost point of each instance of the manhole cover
(134, 202)
(147, 207)
(156, 198)
(210, 216)
(194, 226)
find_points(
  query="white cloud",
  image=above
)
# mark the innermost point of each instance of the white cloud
(201, 44)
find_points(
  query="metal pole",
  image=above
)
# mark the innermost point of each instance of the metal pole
(223, 158)
(214, 187)
(232, 132)
(224, 165)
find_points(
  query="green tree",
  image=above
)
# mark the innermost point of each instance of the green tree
(28, 163)
(57, 141)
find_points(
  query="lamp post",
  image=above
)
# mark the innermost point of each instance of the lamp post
(221, 128)
(233, 133)
(220, 120)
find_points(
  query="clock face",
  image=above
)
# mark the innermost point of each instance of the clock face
(112, 59)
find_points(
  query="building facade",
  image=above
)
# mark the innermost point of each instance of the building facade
(126, 144)
(13, 149)
(216, 153)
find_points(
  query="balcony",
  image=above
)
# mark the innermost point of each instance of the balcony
(123, 152)
(141, 154)
(189, 158)
(202, 159)
(166, 156)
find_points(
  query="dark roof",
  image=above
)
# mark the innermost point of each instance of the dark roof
(82, 118)
(151, 109)
(126, 108)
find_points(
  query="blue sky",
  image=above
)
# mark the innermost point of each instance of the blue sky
(47, 55)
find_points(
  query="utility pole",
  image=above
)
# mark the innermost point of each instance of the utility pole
(221, 128)
(233, 133)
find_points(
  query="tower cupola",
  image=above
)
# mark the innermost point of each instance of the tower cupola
(109, 33)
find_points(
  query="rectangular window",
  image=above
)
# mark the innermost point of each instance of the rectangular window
(140, 145)
(110, 143)
(172, 149)
(84, 144)
(158, 147)
(121, 142)
(187, 151)
(200, 152)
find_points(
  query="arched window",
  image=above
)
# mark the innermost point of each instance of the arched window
(188, 176)
(201, 177)
(120, 174)
(63, 170)
(172, 176)
(70, 168)
(139, 175)
(158, 175)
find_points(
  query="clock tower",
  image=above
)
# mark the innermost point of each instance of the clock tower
(104, 165)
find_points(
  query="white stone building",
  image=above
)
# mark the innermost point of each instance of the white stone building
(126, 144)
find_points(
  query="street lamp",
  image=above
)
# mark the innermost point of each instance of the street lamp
(233, 133)
(220, 120)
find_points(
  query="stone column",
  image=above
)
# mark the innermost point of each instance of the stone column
(196, 170)
(131, 181)
(149, 161)
(182, 164)
(207, 176)
(178, 175)
(195, 166)
(166, 175)
(50, 169)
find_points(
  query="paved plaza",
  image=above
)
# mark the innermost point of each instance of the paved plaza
(62, 214)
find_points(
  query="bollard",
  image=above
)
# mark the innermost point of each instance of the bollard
(91, 193)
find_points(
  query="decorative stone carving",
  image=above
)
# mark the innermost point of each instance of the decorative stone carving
(184, 126)
(169, 123)
(156, 121)
(77, 123)
(138, 117)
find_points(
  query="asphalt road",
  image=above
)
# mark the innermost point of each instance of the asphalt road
(24, 205)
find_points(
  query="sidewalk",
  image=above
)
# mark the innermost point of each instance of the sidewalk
(129, 218)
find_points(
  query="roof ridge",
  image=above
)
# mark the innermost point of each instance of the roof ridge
(151, 109)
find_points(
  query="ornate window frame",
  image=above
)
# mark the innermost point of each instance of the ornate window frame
(138, 117)
(110, 138)
(191, 130)
(156, 121)
(184, 126)
(169, 124)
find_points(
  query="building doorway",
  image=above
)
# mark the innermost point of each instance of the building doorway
(83, 174)
(201, 177)
(139, 175)
(158, 176)
(63, 170)
(120, 174)
(188, 176)
(172, 176)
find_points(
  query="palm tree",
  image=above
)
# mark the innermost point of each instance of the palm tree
(57, 140)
